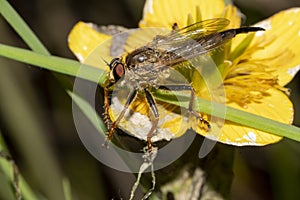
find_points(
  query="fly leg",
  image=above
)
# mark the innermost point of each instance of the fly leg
(114, 125)
(162, 37)
(107, 120)
(191, 103)
(196, 114)
(106, 103)
(153, 107)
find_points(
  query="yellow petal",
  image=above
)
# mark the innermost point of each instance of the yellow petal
(233, 14)
(84, 39)
(164, 13)
(140, 37)
(277, 106)
(282, 39)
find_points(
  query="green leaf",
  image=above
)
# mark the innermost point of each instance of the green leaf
(237, 116)
(240, 49)
(7, 167)
(89, 112)
(53, 63)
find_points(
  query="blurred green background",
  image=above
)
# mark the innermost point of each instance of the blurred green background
(36, 113)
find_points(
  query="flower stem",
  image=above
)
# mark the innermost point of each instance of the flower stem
(53, 63)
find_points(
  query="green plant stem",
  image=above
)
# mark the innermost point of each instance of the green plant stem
(53, 63)
(8, 169)
(244, 118)
(24, 31)
(72, 68)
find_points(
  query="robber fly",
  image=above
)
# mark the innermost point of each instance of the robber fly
(148, 66)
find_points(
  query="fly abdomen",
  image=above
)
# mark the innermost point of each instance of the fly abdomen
(231, 33)
(214, 40)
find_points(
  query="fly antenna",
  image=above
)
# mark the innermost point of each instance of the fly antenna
(107, 63)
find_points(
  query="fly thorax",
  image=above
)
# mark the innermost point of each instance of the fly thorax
(144, 75)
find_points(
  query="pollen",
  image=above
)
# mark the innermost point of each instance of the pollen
(248, 83)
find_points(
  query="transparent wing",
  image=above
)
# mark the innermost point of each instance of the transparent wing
(189, 42)
(181, 45)
(193, 31)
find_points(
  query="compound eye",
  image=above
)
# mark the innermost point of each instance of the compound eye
(118, 71)
(114, 62)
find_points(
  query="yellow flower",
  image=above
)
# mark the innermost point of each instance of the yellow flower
(255, 68)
